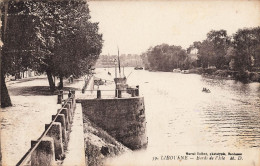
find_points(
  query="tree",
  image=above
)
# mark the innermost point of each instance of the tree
(246, 44)
(55, 37)
(15, 51)
(165, 58)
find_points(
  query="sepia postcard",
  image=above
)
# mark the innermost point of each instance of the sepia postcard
(130, 82)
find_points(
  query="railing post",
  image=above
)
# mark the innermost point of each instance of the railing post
(64, 111)
(73, 98)
(68, 106)
(98, 94)
(61, 118)
(59, 98)
(56, 133)
(44, 154)
(71, 107)
(61, 93)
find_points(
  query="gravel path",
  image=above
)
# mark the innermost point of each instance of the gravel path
(33, 106)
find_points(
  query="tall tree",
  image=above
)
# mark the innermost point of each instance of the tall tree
(247, 44)
(55, 37)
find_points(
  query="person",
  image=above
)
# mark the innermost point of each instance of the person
(71, 79)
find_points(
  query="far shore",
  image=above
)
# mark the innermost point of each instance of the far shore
(243, 76)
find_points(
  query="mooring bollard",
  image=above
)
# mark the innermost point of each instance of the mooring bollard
(61, 118)
(59, 98)
(99, 94)
(56, 133)
(44, 154)
(64, 111)
(116, 92)
(132, 93)
(136, 92)
(119, 93)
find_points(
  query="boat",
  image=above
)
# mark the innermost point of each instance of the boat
(139, 68)
(178, 70)
(120, 81)
(185, 71)
(205, 90)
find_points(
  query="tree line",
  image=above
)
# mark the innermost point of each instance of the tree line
(238, 52)
(165, 57)
(55, 37)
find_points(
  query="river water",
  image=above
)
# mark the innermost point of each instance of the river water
(181, 118)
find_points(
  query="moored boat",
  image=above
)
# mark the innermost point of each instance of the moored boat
(178, 70)
(185, 71)
(139, 68)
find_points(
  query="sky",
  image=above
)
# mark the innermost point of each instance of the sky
(134, 26)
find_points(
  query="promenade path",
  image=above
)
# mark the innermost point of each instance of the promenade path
(33, 106)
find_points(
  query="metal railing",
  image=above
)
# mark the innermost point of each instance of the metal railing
(108, 93)
(28, 154)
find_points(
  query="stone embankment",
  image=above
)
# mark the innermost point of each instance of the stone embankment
(112, 125)
(99, 145)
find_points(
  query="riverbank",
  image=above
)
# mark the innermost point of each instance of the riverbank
(244, 76)
(33, 105)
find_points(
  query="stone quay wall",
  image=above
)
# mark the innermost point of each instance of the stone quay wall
(122, 118)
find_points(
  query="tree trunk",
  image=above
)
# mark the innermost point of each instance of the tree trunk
(5, 98)
(61, 82)
(51, 82)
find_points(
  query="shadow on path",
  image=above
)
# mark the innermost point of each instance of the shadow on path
(36, 91)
